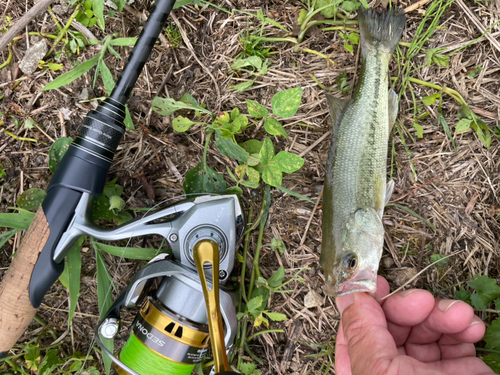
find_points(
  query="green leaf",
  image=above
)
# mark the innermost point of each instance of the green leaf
(116, 203)
(203, 179)
(302, 16)
(297, 195)
(123, 42)
(234, 190)
(29, 123)
(442, 121)
(240, 123)
(348, 47)
(277, 278)
(288, 162)
(254, 304)
(286, 103)
(259, 320)
(57, 151)
(255, 109)
(182, 124)
(463, 295)
(487, 290)
(497, 304)
(262, 292)
(272, 174)
(419, 129)
(353, 38)
(431, 99)
(100, 211)
(277, 244)
(463, 125)
(188, 98)
(16, 221)
(104, 298)
(107, 77)
(72, 74)
(49, 363)
(474, 71)
(492, 336)
(274, 127)
(493, 360)
(441, 263)
(253, 175)
(350, 6)
(166, 106)
(73, 263)
(129, 123)
(31, 199)
(276, 317)
(249, 369)
(242, 86)
(98, 7)
(230, 149)
(112, 189)
(131, 252)
(266, 152)
(254, 61)
(252, 146)
(32, 356)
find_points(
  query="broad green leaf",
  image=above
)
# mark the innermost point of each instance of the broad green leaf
(365, 4)
(72, 74)
(180, 3)
(230, 149)
(16, 221)
(277, 244)
(32, 356)
(277, 278)
(256, 110)
(29, 123)
(129, 123)
(98, 7)
(350, 6)
(250, 184)
(292, 193)
(487, 290)
(330, 11)
(493, 360)
(272, 174)
(234, 190)
(302, 16)
(49, 363)
(431, 99)
(203, 179)
(419, 129)
(266, 152)
(463, 295)
(263, 293)
(254, 304)
(235, 113)
(348, 47)
(166, 106)
(463, 125)
(255, 61)
(353, 38)
(253, 160)
(182, 124)
(131, 252)
(274, 127)
(240, 170)
(253, 175)
(249, 369)
(240, 123)
(116, 203)
(31, 199)
(276, 317)
(240, 87)
(104, 298)
(252, 146)
(112, 189)
(57, 151)
(74, 266)
(286, 103)
(188, 98)
(437, 257)
(101, 211)
(492, 336)
(259, 320)
(288, 162)
(107, 77)
(123, 42)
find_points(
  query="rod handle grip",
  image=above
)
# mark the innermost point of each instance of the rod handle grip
(16, 311)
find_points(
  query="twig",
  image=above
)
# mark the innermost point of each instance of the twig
(320, 139)
(310, 219)
(415, 6)
(23, 21)
(418, 274)
(417, 188)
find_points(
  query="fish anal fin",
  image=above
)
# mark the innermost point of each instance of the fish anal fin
(393, 108)
(388, 191)
(337, 107)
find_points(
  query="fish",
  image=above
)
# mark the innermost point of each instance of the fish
(355, 191)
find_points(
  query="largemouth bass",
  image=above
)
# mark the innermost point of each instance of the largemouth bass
(355, 190)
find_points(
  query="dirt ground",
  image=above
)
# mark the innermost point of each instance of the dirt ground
(456, 191)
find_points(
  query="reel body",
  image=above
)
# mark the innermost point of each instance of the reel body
(170, 334)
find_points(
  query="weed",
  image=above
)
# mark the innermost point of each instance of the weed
(173, 35)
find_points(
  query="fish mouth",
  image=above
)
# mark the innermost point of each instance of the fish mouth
(363, 281)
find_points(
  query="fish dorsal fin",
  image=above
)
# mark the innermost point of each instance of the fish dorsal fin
(337, 107)
(388, 191)
(393, 108)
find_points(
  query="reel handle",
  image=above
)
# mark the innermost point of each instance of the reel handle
(16, 311)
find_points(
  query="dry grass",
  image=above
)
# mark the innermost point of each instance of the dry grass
(457, 192)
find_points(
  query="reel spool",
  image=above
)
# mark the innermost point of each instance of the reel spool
(170, 333)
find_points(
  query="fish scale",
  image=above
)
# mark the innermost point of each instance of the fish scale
(355, 181)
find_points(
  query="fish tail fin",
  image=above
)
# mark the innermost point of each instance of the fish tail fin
(381, 31)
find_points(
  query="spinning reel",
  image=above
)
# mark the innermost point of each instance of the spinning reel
(179, 320)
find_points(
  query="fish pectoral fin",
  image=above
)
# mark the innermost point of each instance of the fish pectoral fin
(337, 107)
(388, 191)
(393, 108)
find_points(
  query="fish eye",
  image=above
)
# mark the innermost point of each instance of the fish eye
(350, 261)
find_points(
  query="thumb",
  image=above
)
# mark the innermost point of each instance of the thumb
(370, 346)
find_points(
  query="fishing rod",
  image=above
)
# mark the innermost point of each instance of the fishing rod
(188, 226)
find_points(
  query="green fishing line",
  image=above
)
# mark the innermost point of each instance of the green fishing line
(145, 361)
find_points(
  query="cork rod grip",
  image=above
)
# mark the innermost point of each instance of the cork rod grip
(16, 311)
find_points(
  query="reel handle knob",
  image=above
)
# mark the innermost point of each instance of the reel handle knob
(207, 251)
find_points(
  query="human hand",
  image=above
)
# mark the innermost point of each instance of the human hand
(409, 333)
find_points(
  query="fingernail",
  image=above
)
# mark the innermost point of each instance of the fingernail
(477, 320)
(405, 293)
(445, 304)
(344, 301)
